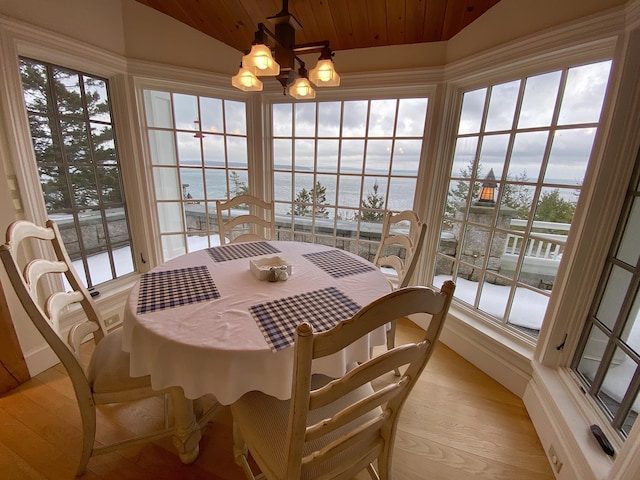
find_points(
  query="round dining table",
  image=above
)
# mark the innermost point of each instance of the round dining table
(219, 322)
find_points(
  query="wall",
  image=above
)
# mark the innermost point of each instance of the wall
(510, 20)
(152, 36)
(95, 22)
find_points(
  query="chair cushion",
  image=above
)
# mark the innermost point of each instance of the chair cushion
(108, 369)
(263, 421)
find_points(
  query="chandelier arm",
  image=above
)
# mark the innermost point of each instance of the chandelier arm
(314, 47)
(263, 29)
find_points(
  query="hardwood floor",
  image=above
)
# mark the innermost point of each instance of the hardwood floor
(458, 424)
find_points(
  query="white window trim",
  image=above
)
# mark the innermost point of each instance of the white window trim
(24, 40)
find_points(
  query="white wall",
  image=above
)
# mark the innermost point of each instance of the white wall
(95, 22)
(510, 20)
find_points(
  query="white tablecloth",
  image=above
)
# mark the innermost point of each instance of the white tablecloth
(216, 347)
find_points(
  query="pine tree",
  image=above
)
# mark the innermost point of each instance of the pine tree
(553, 208)
(238, 187)
(302, 204)
(372, 207)
(311, 202)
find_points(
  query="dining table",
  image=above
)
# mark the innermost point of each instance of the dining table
(220, 321)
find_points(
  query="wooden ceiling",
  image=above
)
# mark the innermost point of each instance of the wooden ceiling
(347, 24)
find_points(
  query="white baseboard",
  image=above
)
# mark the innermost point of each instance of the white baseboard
(511, 367)
(40, 359)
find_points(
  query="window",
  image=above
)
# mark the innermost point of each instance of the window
(521, 154)
(339, 164)
(608, 358)
(198, 149)
(78, 164)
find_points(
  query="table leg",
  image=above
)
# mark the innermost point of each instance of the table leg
(187, 436)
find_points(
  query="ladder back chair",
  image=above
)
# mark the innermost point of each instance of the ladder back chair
(400, 244)
(106, 379)
(335, 428)
(239, 219)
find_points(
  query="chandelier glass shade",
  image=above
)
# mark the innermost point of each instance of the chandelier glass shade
(246, 80)
(324, 75)
(274, 54)
(301, 89)
(260, 58)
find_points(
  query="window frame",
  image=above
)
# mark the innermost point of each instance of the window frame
(182, 168)
(614, 332)
(536, 186)
(64, 52)
(472, 75)
(390, 94)
(83, 264)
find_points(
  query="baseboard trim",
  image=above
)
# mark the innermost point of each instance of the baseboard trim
(511, 367)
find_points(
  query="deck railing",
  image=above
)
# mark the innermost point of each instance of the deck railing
(541, 243)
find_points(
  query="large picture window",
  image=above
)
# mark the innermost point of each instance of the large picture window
(338, 165)
(198, 148)
(521, 154)
(78, 164)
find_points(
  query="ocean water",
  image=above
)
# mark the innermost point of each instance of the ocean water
(344, 191)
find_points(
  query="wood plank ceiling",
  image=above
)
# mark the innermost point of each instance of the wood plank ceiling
(347, 24)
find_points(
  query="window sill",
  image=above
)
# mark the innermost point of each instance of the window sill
(110, 303)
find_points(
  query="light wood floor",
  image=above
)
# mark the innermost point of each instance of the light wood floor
(458, 424)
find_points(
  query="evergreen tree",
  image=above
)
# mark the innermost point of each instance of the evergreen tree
(320, 200)
(458, 195)
(313, 202)
(518, 196)
(72, 152)
(372, 207)
(553, 208)
(238, 187)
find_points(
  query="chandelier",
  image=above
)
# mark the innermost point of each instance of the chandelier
(274, 54)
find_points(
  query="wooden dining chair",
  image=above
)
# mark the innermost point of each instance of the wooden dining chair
(245, 218)
(335, 428)
(399, 250)
(106, 379)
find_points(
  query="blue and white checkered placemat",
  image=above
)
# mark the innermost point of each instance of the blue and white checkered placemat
(173, 288)
(241, 250)
(337, 263)
(322, 309)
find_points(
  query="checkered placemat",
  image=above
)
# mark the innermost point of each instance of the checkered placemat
(173, 288)
(337, 263)
(322, 309)
(241, 250)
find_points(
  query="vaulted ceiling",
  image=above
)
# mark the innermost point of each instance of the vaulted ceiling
(347, 24)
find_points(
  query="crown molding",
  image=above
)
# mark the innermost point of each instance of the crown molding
(589, 38)
(31, 41)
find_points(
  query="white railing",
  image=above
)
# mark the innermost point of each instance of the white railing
(540, 244)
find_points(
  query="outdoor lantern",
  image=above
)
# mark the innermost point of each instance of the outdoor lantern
(487, 191)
